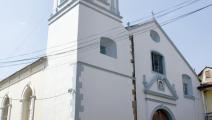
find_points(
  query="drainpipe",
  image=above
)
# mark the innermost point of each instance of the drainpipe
(134, 102)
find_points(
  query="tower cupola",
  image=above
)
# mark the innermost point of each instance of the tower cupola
(111, 6)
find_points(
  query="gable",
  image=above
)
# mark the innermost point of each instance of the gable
(176, 49)
(142, 33)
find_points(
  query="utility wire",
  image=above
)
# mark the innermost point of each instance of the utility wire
(167, 11)
(29, 34)
(67, 43)
(189, 2)
(164, 23)
(40, 99)
(177, 5)
(187, 14)
(176, 9)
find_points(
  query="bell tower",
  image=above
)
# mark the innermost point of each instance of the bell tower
(73, 20)
(79, 25)
(79, 29)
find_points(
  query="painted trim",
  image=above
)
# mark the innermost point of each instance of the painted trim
(159, 101)
(168, 38)
(106, 70)
(162, 107)
(104, 2)
(99, 11)
(187, 79)
(148, 85)
(102, 8)
(62, 11)
(73, 4)
(61, 4)
(150, 92)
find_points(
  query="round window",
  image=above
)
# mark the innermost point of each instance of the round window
(155, 36)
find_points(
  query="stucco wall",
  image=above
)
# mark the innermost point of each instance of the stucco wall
(92, 26)
(102, 94)
(47, 85)
(175, 66)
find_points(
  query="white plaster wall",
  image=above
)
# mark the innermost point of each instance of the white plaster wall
(103, 95)
(96, 25)
(44, 86)
(62, 37)
(175, 66)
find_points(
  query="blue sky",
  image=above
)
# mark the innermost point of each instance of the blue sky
(24, 28)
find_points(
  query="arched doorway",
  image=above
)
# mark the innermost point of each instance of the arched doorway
(161, 114)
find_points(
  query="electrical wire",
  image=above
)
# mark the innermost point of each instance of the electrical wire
(164, 23)
(189, 2)
(173, 10)
(187, 14)
(168, 10)
(29, 34)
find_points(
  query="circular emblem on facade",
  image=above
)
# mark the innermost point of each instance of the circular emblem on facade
(155, 36)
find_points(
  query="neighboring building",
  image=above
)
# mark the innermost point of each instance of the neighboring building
(205, 77)
(96, 69)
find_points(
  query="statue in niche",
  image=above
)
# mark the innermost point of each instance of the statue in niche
(161, 85)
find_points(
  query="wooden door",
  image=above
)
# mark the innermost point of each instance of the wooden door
(160, 115)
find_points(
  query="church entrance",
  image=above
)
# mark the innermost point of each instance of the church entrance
(161, 115)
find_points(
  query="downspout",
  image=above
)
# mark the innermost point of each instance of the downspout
(134, 102)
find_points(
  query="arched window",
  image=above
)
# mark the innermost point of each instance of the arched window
(6, 108)
(157, 63)
(187, 86)
(108, 47)
(28, 104)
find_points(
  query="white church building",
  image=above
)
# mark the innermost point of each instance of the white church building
(97, 69)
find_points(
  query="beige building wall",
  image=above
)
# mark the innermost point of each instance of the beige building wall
(208, 100)
(205, 77)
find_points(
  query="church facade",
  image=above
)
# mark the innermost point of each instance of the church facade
(97, 69)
